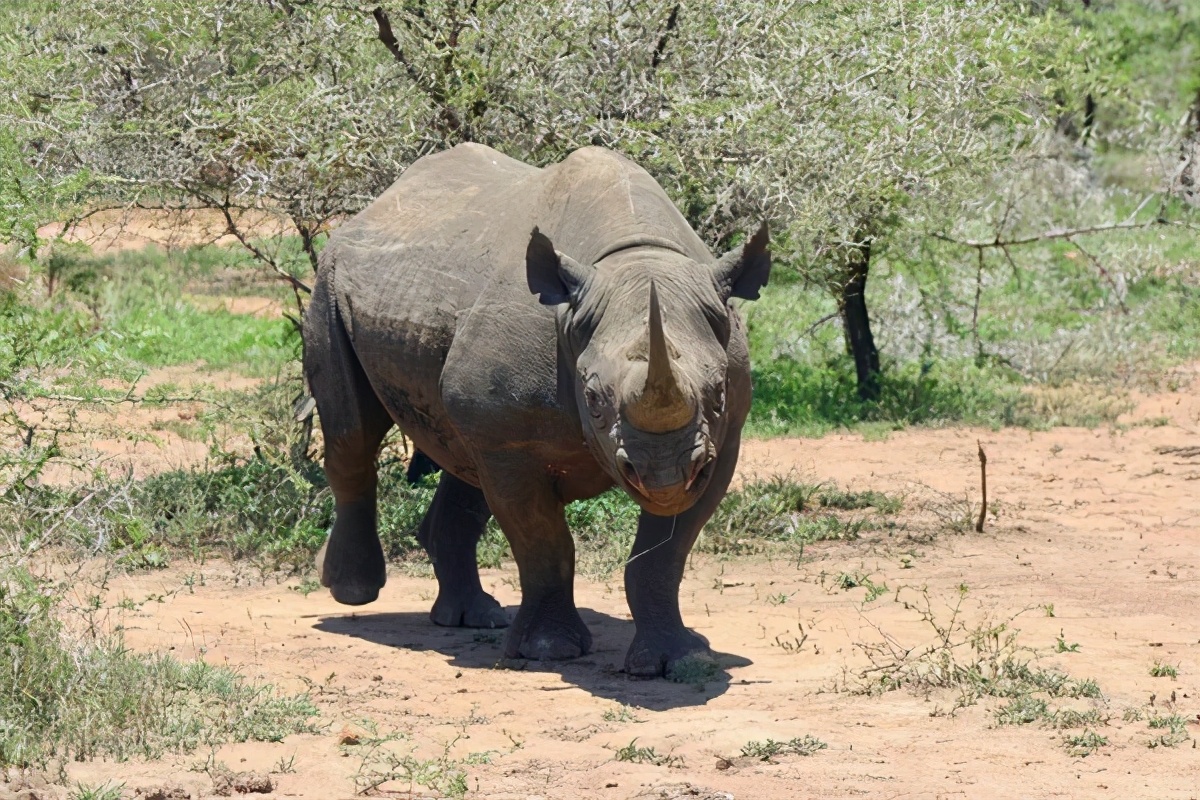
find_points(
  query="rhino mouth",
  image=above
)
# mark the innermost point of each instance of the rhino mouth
(667, 491)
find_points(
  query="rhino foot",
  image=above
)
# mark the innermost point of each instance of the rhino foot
(548, 639)
(682, 656)
(349, 587)
(479, 610)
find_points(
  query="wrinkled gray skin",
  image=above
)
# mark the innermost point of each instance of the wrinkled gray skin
(536, 368)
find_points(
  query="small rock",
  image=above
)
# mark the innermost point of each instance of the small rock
(30, 780)
(350, 735)
(28, 786)
(253, 783)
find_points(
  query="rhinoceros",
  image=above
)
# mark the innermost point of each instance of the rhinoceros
(543, 334)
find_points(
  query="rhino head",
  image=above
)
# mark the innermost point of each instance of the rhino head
(646, 335)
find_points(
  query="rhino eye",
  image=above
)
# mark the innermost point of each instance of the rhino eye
(719, 403)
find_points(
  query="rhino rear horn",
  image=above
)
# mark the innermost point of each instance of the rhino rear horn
(744, 271)
(554, 277)
(661, 406)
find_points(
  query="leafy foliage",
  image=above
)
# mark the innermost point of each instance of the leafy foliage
(857, 128)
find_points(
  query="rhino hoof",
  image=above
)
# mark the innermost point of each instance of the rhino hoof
(553, 648)
(354, 594)
(479, 611)
(685, 658)
(346, 592)
(549, 642)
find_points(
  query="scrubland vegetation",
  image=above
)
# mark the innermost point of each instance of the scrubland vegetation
(983, 214)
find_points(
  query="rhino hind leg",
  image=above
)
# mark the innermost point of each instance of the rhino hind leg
(351, 564)
(354, 422)
(420, 466)
(449, 533)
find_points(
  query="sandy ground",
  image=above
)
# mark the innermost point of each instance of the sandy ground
(134, 439)
(119, 229)
(1101, 525)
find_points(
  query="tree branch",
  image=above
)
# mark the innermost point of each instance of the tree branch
(1129, 223)
(386, 35)
(1100, 267)
(236, 232)
(383, 24)
(1054, 233)
(661, 48)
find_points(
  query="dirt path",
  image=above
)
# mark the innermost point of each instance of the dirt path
(1099, 526)
(134, 440)
(115, 230)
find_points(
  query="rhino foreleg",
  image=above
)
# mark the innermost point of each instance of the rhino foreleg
(547, 625)
(449, 533)
(654, 572)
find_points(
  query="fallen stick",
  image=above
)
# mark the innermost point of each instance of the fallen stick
(983, 483)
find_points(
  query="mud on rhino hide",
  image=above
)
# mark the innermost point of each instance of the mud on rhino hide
(543, 335)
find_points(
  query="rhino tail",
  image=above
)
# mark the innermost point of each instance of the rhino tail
(346, 404)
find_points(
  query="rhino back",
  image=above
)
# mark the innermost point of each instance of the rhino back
(405, 268)
(596, 202)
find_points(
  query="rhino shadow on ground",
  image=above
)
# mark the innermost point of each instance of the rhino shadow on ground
(598, 673)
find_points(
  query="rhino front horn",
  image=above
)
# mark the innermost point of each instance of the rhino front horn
(661, 405)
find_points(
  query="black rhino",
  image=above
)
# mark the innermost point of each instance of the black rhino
(542, 334)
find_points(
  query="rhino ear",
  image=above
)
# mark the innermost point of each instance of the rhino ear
(554, 277)
(742, 272)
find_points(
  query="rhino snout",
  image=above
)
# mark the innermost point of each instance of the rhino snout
(667, 485)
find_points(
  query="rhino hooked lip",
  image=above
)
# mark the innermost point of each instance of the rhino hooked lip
(667, 488)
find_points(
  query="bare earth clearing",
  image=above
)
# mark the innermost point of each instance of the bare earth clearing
(1098, 523)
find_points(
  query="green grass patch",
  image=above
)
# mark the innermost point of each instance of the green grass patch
(1048, 322)
(800, 746)
(87, 696)
(87, 317)
(796, 398)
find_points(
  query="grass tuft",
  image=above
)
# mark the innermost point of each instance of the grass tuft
(647, 755)
(1173, 729)
(1163, 670)
(87, 696)
(800, 746)
(1084, 744)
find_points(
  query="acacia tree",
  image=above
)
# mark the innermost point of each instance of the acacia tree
(851, 125)
(288, 109)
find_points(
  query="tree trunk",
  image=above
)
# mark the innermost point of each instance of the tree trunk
(1187, 178)
(1089, 119)
(857, 322)
(1089, 105)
